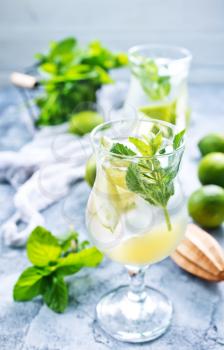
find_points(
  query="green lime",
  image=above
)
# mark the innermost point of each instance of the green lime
(84, 122)
(211, 143)
(206, 206)
(90, 173)
(164, 111)
(211, 169)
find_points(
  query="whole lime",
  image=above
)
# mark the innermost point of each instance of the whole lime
(90, 173)
(83, 122)
(211, 143)
(206, 206)
(211, 169)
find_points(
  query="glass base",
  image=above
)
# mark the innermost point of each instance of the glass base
(133, 320)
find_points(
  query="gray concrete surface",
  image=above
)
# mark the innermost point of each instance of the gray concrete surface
(199, 306)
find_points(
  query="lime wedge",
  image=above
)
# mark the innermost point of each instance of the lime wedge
(115, 176)
(110, 197)
(103, 234)
(106, 142)
(164, 111)
(105, 200)
(122, 198)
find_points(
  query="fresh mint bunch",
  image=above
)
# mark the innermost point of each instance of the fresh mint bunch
(52, 260)
(147, 177)
(71, 75)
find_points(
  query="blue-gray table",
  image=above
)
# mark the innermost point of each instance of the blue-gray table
(198, 321)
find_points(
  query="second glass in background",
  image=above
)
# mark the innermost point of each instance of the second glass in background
(158, 86)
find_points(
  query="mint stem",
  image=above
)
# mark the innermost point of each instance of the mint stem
(167, 217)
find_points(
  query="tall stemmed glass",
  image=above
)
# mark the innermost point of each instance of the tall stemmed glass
(136, 216)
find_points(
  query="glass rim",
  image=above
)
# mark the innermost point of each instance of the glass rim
(120, 156)
(187, 56)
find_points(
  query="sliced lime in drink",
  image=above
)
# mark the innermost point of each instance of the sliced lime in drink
(163, 111)
(106, 230)
(106, 142)
(122, 198)
(105, 198)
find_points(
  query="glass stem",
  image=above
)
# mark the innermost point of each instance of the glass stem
(137, 284)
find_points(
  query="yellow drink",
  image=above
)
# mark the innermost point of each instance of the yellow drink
(127, 228)
(149, 247)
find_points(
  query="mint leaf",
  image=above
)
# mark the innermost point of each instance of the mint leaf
(69, 242)
(133, 180)
(121, 149)
(162, 151)
(56, 294)
(154, 141)
(30, 284)
(153, 183)
(164, 86)
(63, 47)
(89, 257)
(54, 259)
(150, 146)
(144, 181)
(155, 129)
(83, 245)
(178, 139)
(42, 247)
(156, 86)
(143, 147)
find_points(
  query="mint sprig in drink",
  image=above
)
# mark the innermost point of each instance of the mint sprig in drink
(158, 85)
(137, 216)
